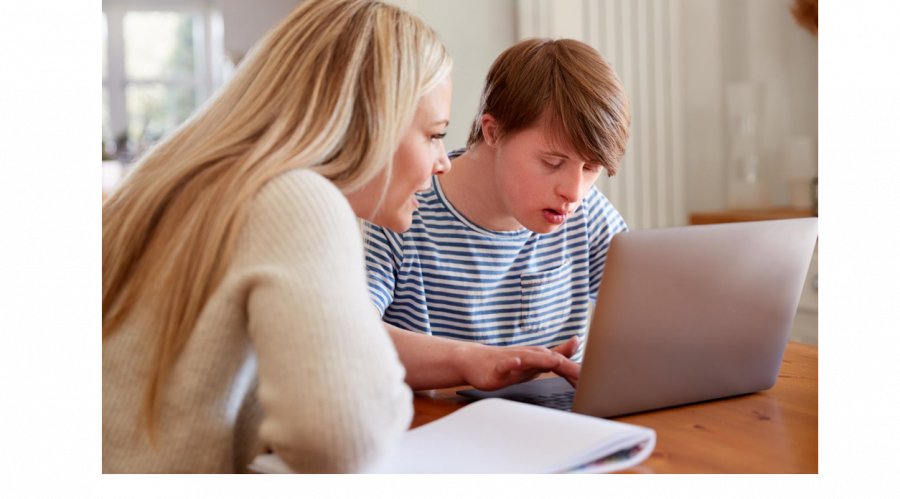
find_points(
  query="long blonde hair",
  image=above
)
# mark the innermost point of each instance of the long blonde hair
(331, 88)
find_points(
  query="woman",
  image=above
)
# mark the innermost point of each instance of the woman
(236, 317)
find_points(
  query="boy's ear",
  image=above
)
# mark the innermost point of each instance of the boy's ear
(489, 128)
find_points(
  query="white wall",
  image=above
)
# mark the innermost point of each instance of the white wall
(247, 21)
(784, 57)
(734, 40)
(722, 41)
(475, 32)
(704, 120)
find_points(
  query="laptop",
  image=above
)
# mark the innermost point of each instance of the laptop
(685, 315)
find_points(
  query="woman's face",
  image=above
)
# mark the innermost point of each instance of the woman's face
(420, 155)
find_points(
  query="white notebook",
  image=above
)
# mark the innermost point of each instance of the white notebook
(502, 436)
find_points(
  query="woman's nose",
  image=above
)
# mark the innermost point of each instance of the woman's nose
(442, 163)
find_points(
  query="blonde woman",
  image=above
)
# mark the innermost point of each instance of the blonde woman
(236, 317)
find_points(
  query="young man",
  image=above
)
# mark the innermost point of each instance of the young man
(508, 247)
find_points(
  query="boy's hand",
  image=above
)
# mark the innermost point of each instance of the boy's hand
(491, 368)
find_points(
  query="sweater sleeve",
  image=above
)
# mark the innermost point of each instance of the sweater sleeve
(330, 381)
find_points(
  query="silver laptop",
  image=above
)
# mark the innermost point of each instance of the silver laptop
(685, 315)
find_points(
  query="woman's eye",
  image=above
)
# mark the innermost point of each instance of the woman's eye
(439, 136)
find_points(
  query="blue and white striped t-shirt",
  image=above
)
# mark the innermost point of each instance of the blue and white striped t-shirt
(448, 277)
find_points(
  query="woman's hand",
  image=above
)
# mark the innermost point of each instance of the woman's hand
(491, 368)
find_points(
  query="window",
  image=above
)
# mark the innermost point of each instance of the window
(156, 69)
(107, 134)
(161, 80)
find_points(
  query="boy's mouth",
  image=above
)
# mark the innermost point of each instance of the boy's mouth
(553, 216)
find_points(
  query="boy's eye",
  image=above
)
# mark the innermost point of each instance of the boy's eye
(592, 168)
(552, 165)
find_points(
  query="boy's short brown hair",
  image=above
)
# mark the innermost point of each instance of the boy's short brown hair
(584, 101)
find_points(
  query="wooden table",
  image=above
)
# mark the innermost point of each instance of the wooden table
(775, 431)
(734, 216)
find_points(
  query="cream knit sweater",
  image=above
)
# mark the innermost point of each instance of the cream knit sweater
(289, 354)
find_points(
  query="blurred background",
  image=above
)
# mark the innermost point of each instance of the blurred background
(724, 93)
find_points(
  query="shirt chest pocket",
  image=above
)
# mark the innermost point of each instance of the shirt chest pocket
(546, 298)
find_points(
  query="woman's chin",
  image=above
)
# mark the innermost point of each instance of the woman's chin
(398, 224)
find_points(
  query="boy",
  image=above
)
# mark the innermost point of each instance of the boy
(508, 248)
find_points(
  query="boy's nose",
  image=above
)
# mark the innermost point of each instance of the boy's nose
(569, 188)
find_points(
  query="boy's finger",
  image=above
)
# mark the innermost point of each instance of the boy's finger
(569, 370)
(568, 348)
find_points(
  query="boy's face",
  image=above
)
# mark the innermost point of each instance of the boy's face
(541, 183)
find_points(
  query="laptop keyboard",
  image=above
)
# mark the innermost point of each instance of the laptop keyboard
(561, 400)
